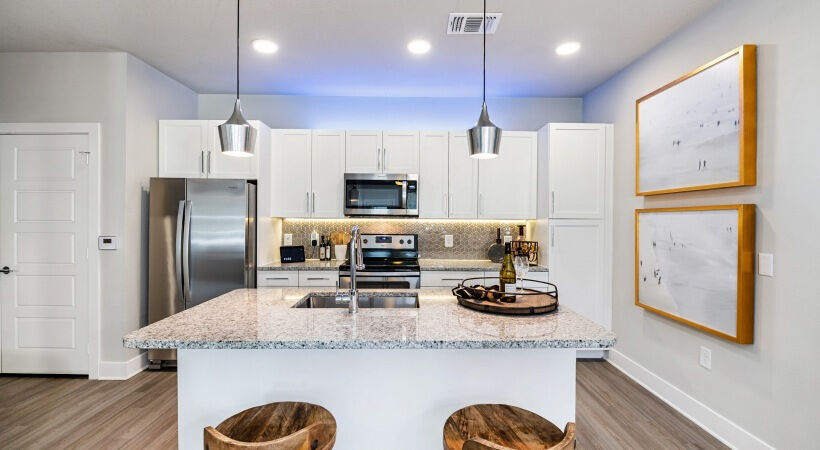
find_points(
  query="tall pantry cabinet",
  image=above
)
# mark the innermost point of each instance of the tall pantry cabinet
(575, 204)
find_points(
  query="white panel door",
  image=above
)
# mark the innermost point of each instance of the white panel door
(576, 263)
(328, 170)
(220, 165)
(43, 240)
(290, 184)
(363, 151)
(507, 184)
(463, 179)
(400, 152)
(434, 158)
(183, 145)
(577, 168)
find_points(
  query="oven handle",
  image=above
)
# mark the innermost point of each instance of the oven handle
(380, 274)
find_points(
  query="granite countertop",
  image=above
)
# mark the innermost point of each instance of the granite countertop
(466, 264)
(263, 318)
(426, 264)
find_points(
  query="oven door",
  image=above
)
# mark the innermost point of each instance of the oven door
(375, 280)
(380, 195)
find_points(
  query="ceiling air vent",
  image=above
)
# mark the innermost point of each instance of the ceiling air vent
(470, 23)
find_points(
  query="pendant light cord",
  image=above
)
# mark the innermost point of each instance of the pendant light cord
(237, 49)
(484, 60)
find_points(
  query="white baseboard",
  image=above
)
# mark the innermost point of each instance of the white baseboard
(123, 370)
(715, 424)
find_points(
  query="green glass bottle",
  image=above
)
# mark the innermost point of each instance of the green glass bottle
(506, 276)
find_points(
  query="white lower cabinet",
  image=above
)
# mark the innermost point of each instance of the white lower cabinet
(577, 266)
(324, 278)
(447, 278)
(277, 278)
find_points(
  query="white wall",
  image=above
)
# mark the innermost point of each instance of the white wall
(403, 113)
(770, 388)
(126, 97)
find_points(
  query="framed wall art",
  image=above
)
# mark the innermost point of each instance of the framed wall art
(696, 265)
(700, 131)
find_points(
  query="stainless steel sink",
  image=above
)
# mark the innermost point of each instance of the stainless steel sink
(365, 301)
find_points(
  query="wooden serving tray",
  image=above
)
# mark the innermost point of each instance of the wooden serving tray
(539, 303)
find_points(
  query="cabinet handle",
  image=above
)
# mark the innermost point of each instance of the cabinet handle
(384, 160)
(552, 201)
(209, 162)
(480, 204)
(379, 159)
(307, 202)
(313, 209)
(202, 162)
(552, 237)
(444, 199)
(276, 278)
(317, 279)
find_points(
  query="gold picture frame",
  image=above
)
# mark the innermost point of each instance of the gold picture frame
(669, 131)
(690, 272)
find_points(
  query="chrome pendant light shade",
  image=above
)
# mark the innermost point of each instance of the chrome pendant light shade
(484, 137)
(236, 136)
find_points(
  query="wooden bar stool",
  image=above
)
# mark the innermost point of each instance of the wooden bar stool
(275, 426)
(504, 427)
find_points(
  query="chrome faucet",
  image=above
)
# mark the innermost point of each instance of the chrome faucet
(356, 264)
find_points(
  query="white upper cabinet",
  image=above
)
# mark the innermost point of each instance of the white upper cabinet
(183, 145)
(577, 170)
(433, 174)
(400, 152)
(507, 184)
(327, 173)
(191, 149)
(291, 173)
(232, 167)
(463, 179)
(363, 151)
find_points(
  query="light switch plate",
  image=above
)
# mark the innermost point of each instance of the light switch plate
(448, 240)
(107, 242)
(288, 240)
(706, 358)
(765, 264)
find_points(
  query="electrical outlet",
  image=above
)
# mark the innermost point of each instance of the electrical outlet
(314, 238)
(288, 239)
(706, 357)
(765, 264)
(448, 240)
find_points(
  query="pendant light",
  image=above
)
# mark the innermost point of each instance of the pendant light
(236, 135)
(484, 137)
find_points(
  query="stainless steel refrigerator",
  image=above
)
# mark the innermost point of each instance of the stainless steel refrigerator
(202, 244)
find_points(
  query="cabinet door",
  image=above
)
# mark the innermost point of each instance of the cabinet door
(183, 145)
(327, 168)
(463, 179)
(507, 184)
(577, 168)
(290, 157)
(576, 264)
(221, 165)
(434, 160)
(363, 151)
(400, 152)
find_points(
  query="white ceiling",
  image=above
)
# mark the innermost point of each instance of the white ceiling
(356, 47)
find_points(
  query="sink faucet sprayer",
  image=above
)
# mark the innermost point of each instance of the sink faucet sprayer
(356, 264)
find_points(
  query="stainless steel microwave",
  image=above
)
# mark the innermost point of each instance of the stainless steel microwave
(381, 194)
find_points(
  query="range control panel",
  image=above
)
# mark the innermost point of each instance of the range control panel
(390, 241)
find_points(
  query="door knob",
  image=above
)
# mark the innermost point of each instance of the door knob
(6, 270)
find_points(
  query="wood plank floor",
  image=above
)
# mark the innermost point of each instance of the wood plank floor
(68, 412)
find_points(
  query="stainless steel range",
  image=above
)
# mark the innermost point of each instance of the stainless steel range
(391, 261)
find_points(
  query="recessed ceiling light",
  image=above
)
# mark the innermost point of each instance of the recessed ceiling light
(418, 46)
(567, 48)
(264, 46)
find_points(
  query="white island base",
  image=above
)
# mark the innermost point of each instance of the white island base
(381, 398)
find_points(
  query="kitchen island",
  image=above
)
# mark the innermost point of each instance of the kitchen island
(391, 377)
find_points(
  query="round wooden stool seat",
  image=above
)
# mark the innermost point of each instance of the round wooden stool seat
(504, 427)
(275, 426)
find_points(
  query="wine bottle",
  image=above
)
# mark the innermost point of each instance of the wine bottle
(506, 276)
(322, 249)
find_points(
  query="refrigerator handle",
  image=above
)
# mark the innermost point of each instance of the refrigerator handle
(186, 254)
(178, 250)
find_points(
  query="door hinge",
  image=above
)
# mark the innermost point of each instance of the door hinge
(87, 157)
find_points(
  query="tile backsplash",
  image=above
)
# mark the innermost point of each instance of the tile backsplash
(471, 239)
